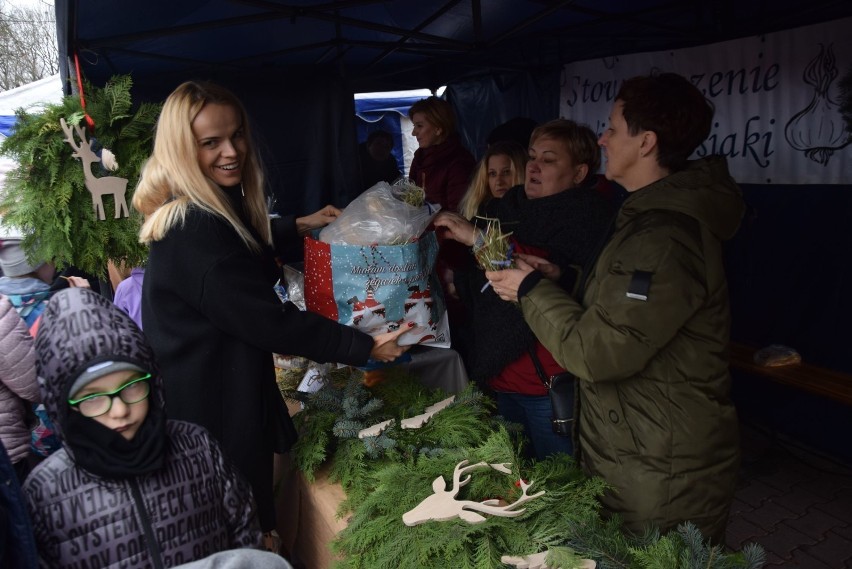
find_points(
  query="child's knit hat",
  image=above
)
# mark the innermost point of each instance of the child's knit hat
(13, 258)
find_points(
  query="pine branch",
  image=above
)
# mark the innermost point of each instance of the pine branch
(48, 199)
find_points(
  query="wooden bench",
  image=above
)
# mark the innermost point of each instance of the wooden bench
(821, 381)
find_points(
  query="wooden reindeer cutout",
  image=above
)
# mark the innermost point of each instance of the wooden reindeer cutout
(411, 423)
(538, 561)
(442, 505)
(98, 187)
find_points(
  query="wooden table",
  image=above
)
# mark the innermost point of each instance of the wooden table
(307, 513)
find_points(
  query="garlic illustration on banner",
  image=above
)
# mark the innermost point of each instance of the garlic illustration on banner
(818, 130)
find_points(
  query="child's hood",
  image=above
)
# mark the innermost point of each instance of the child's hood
(80, 328)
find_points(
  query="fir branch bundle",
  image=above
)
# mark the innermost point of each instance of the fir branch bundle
(46, 195)
(387, 475)
(376, 536)
(494, 252)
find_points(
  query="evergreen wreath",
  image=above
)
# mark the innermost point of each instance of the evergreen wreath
(46, 195)
(384, 481)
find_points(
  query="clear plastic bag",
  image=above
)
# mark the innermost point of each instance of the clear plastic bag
(380, 216)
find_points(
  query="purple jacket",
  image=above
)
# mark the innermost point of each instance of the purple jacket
(128, 295)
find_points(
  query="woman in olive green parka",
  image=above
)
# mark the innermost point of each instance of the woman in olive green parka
(649, 341)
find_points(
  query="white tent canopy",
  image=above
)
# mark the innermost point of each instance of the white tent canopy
(31, 96)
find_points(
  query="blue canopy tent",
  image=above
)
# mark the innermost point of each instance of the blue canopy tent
(7, 124)
(388, 113)
(298, 63)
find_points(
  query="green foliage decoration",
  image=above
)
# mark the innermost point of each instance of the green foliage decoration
(386, 476)
(347, 406)
(376, 537)
(46, 195)
(686, 549)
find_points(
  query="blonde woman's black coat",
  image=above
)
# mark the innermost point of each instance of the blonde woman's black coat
(214, 321)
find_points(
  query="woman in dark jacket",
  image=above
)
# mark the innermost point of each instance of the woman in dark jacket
(208, 305)
(128, 488)
(556, 213)
(648, 341)
(441, 165)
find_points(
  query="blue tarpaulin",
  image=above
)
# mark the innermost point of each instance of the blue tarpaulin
(388, 114)
(7, 124)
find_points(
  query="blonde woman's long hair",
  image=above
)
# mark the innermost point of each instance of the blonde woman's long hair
(478, 193)
(172, 179)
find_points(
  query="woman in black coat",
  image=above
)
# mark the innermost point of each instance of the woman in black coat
(209, 308)
(556, 213)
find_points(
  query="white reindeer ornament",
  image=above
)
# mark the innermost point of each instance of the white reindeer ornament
(98, 187)
(538, 561)
(442, 505)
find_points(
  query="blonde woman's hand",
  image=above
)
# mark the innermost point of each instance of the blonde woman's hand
(317, 219)
(458, 228)
(550, 271)
(385, 346)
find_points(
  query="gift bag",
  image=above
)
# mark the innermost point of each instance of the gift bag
(378, 288)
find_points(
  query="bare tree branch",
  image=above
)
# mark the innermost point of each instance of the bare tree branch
(28, 49)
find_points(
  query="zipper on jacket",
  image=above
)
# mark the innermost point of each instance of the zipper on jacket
(145, 520)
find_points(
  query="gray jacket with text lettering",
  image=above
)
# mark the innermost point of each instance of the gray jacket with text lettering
(193, 505)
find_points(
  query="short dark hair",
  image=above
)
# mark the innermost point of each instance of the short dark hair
(580, 141)
(379, 134)
(673, 108)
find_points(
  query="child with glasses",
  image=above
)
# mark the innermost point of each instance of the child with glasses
(128, 488)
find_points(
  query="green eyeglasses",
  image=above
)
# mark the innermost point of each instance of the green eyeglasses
(97, 404)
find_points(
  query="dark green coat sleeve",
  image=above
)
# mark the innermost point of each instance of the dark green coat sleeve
(615, 337)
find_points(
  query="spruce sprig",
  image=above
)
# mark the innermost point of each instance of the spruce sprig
(390, 474)
(46, 195)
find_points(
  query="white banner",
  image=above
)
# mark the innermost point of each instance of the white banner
(776, 97)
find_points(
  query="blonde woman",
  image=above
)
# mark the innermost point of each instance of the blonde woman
(501, 168)
(209, 309)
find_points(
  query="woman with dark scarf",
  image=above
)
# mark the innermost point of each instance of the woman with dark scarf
(556, 214)
(441, 165)
(128, 487)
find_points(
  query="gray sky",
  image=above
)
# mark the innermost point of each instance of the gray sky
(26, 3)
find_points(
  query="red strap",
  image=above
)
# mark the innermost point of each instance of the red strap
(89, 120)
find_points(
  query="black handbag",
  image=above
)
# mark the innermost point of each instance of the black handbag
(560, 387)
